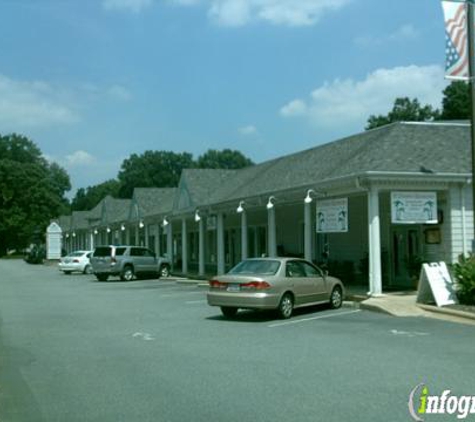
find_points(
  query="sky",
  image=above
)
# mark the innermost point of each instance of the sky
(93, 81)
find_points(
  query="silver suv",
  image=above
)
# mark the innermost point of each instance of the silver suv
(127, 262)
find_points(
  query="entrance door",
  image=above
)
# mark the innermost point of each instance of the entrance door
(406, 255)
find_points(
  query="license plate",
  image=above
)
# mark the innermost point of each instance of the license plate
(233, 288)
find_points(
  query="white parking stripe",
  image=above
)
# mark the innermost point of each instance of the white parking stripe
(181, 294)
(188, 302)
(296, 321)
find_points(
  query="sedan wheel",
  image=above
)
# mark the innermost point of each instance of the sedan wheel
(127, 274)
(336, 298)
(164, 271)
(87, 269)
(286, 306)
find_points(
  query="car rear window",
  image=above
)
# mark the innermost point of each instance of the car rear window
(102, 251)
(76, 254)
(256, 266)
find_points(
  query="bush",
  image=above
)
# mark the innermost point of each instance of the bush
(464, 272)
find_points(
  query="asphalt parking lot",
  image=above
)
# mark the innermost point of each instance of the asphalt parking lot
(74, 349)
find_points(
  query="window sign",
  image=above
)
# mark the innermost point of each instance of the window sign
(414, 207)
(332, 216)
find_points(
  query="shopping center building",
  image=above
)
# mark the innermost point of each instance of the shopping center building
(371, 207)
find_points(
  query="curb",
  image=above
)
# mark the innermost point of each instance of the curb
(445, 311)
(197, 283)
(375, 308)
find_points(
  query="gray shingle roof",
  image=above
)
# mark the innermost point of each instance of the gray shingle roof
(115, 210)
(79, 220)
(64, 221)
(199, 187)
(399, 147)
(153, 201)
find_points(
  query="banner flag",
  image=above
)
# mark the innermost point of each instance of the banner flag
(456, 45)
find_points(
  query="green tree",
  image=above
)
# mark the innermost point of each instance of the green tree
(404, 110)
(456, 101)
(31, 191)
(225, 159)
(87, 198)
(152, 169)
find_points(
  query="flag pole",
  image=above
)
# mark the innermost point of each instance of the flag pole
(471, 74)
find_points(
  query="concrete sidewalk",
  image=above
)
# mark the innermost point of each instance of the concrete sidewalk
(403, 304)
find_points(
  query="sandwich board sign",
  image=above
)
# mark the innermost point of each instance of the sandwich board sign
(435, 284)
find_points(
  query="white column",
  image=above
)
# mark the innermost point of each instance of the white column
(375, 278)
(201, 247)
(157, 240)
(170, 242)
(145, 231)
(271, 236)
(220, 244)
(137, 236)
(184, 247)
(308, 231)
(244, 251)
(91, 240)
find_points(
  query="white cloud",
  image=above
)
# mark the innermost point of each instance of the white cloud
(33, 104)
(135, 6)
(79, 158)
(404, 33)
(119, 92)
(235, 13)
(294, 108)
(248, 130)
(349, 103)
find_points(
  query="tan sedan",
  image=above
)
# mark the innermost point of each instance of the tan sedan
(274, 283)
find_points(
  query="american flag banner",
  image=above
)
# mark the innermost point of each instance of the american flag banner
(456, 45)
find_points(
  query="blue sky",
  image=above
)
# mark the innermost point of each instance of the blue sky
(93, 81)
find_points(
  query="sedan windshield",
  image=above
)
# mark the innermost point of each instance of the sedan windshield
(256, 266)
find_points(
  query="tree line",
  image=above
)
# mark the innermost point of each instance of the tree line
(456, 105)
(159, 169)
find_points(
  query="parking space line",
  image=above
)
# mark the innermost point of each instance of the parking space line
(279, 324)
(181, 294)
(189, 302)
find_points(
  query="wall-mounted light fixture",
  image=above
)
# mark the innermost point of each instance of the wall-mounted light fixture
(95, 231)
(165, 222)
(270, 202)
(141, 224)
(197, 215)
(108, 230)
(67, 235)
(122, 227)
(240, 207)
(74, 234)
(308, 199)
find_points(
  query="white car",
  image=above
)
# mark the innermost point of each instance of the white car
(76, 261)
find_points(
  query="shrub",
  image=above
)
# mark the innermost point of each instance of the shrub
(464, 272)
